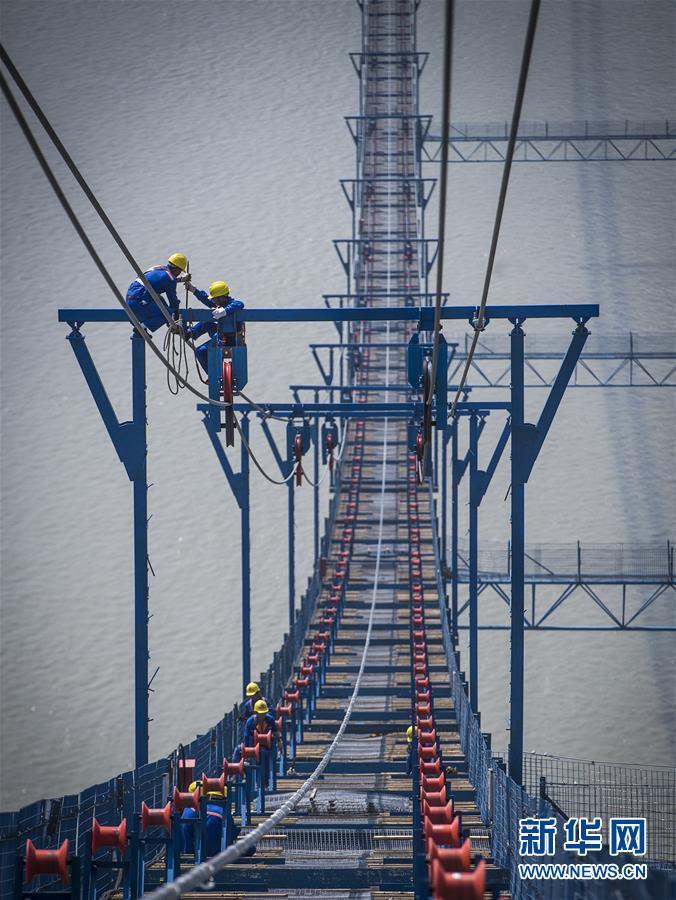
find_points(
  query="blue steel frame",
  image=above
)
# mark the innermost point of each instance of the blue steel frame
(526, 441)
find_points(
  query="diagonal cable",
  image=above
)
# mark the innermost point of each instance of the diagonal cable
(479, 321)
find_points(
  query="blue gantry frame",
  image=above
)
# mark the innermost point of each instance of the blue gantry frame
(129, 440)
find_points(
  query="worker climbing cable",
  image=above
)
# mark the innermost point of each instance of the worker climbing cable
(223, 305)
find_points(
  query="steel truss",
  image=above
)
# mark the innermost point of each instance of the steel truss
(545, 142)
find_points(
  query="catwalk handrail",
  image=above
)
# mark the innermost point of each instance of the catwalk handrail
(204, 872)
(643, 563)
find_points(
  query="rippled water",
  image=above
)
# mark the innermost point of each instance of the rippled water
(216, 128)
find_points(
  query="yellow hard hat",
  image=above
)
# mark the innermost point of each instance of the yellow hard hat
(252, 689)
(193, 787)
(218, 289)
(409, 733)
(260, 706)
(215, 794)
(180, 260)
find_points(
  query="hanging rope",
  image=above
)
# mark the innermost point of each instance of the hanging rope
(479, 320)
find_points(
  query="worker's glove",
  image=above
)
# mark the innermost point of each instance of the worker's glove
(219, 312)
(185, 278)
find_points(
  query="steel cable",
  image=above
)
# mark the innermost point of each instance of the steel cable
(479, 322)
(140, 330)
(445, 134)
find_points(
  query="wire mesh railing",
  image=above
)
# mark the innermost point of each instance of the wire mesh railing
(502, 803)
(586, 788)
(49, 822)
(556, 563)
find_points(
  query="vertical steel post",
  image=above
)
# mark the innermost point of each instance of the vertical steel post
(444, 499)
(454, 530)
(316, 481)
(473, 562)
(291, 536)
(516, 702)
(245, 514)
(140, 482)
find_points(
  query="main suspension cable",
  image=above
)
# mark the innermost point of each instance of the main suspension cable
(479, 321)
(445, 135)
(53, 181)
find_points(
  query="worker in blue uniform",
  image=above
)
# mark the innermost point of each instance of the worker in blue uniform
(262, 722)
(246, 710)
(409, 749)
(223, 304)
(163, 280)
(216, 813)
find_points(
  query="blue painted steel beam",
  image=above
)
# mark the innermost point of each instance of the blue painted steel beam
(519, 451)
(423, 315)
(357, 410)
(473, 562)
(239, 485)
(141, 653)
(130, 442)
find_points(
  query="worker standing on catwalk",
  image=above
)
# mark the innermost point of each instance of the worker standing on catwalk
(163, 280)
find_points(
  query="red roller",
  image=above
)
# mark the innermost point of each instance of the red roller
(426, 724)
(319, 647)
(46, 862)
(422, 681)
(284, 710)
(302, 682)
(264, 741)
(253, 753)
(419, 446)
(307, 671)
(423, 709)
(458, 885)
(447, 834)
(434, 798)
(323, 636)
(292, 696)
(433, 783)
(234, 769)
(312, 659)
(155, 818)
(186, 800)
(213, 785)
(452, 859)
(227, 381)
(428, 737)
(418, 635)
(432, 767)
(420, 669)
(109, 836)
(298, 454)
(439, 815)
(427, 753)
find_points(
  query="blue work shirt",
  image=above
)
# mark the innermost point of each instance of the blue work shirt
(211, 327)
(246, 710)
(162, 280)
(250, 727)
